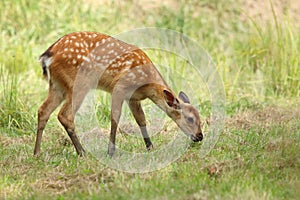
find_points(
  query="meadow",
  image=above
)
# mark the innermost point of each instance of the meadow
(257, 155)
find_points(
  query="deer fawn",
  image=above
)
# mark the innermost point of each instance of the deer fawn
(81, 61)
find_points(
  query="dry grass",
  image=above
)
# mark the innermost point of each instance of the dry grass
(266, 117)
(261, 11)
(59, 182)
(6, 141)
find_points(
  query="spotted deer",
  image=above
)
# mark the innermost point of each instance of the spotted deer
(81, 61)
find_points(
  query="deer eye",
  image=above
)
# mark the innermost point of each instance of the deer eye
(190, 120)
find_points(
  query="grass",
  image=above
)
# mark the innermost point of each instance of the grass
(257, 155)
(252, 162)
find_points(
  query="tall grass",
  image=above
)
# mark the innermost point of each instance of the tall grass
(255, 60)
(248, 54)
(16, 115)
(271, 56)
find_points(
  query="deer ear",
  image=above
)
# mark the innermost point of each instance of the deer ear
(184, 97)
(171, 100)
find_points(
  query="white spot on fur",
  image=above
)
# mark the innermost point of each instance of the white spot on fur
(85, 43)
(92, 55)
(128, 62)
(86, 59)
(142, 72)
(115, 65)
(132, 75)
(111, 52)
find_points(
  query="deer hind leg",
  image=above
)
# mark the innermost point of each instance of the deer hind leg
(67, 113)
(54, 99)
(139, 116)
(116, 109)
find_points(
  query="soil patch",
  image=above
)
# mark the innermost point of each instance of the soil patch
(264, 118)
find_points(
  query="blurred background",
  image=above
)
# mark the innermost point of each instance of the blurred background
(254, 44)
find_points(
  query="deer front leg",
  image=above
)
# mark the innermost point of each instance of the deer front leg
(139, 116)
(116, 109)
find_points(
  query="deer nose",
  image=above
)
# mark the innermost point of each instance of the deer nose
(197, 138)
(200, 136)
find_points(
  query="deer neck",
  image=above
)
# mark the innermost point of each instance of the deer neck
(157, 97)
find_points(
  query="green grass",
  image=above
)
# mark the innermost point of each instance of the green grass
(257, 155)
(259, 162)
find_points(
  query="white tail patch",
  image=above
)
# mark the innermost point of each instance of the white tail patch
(46, 62)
